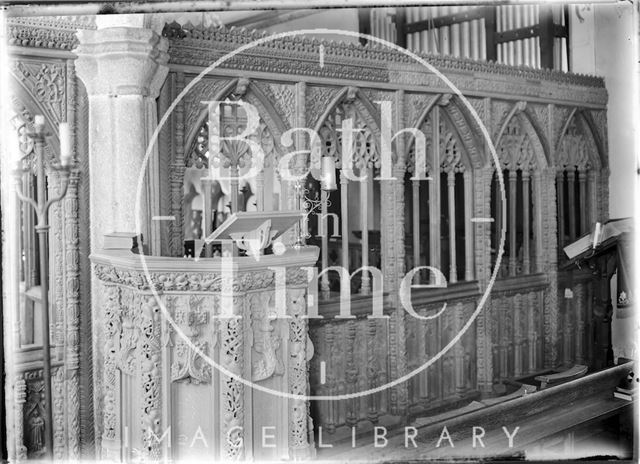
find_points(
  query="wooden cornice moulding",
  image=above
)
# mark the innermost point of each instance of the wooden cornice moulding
(298, 56)
(197, 47)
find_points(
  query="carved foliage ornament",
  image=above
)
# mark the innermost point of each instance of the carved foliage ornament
(46, 82)
(185, 281)
(574, 150)
(189, 313)
(516, 151)
(199, 43)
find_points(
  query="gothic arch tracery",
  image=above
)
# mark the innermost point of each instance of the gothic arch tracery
(518, 144)
(350, 103)
(269, 132)
(577, 146)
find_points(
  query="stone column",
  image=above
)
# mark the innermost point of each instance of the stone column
(122, 69)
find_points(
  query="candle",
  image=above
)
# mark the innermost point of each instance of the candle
(38, 121)
(328, 174)
(596, 235)
(65, 143)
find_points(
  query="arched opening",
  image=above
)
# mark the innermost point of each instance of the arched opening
(213, 189)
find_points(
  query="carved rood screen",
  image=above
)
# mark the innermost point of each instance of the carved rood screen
(452, 221)
(438, 210)
(519, 165)
(348, 227)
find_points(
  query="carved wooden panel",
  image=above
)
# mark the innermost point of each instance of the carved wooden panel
(355, 355)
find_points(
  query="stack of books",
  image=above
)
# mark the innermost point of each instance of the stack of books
(626, 389)
(120, 241)
(624, 393)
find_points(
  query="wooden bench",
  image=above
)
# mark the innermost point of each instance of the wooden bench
(573, 373)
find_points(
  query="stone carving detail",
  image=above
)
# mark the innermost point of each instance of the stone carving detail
(235, 154)
(600, 119)
(541, 113)
(516, 149)
(466, 137)
(177, 172)
(204, 281)
(283, 98)
(366, 153)
(231, 357)
(499, 112)
(299, 354)
(30, 423)
(187, 364)
(206, 89)
(132, 345)
(478, 104)
(573, 151)
(33, 414)
(148, 321)
(317, 101)
(54, 32)
(59, 429)
(201, 45)
(128, 337)
(372, 369)
(453, 154)
(560, 117)
(375, 95)
(46, 82)
(112, 327)
(266, 341)
(20, 399)
(72, 284)
(415, 106)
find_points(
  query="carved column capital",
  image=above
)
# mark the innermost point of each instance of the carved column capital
(122, 61)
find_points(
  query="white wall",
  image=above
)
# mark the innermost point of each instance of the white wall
(337, 18)
(604, 43)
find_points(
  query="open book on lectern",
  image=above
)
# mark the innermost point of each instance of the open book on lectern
(600, 233)
(255, 231)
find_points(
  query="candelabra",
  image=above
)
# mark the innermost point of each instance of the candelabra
(41, 204)
(308, 205)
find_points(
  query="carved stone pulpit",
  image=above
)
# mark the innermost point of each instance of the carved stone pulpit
(197, 356)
